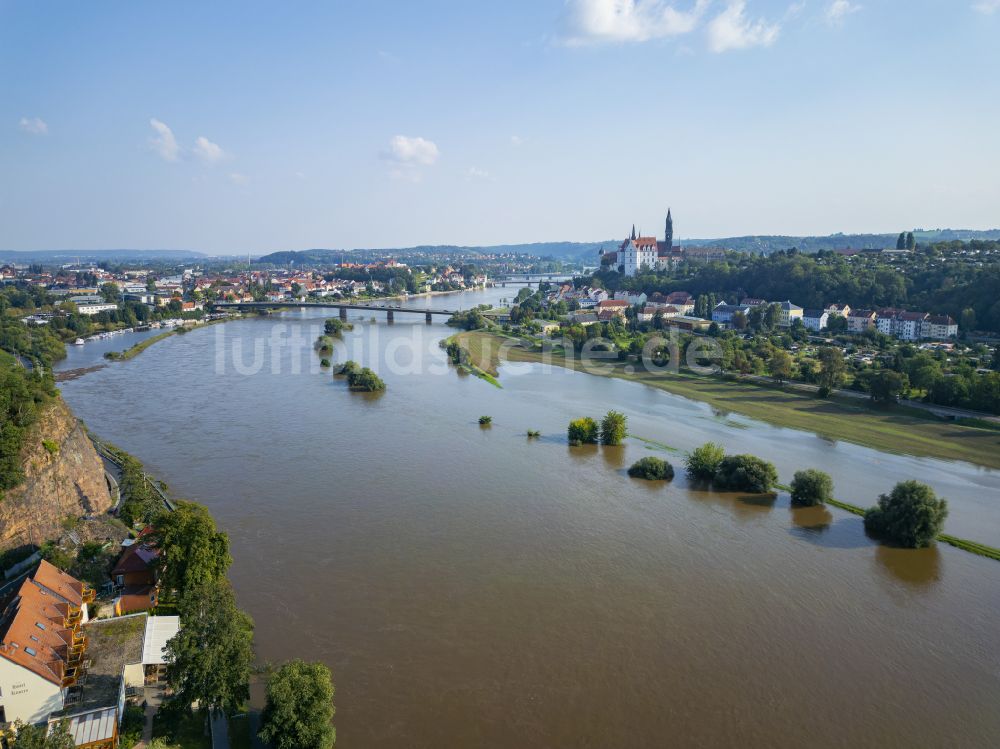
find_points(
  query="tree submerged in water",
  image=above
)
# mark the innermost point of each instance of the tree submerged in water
(911, 515)
(335, 327)
(361, 379)
(614, 427)
(485, 421)
(584, 431)
(299, 710)
(651, 469)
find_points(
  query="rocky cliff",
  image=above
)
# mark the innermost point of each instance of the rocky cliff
(63, 477)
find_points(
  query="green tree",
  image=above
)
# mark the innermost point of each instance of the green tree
(811, 487)
(887, 385)
(779, 365)
(831, 369)
(967, 320)
(703, 462)
(110, 292)
(583, 431)
(211, 658)
(39, 737)
(910, 241)
(911, 515)
(299, 709)
(614, 427)
(901, 241)
(746, 473)
(192, 551)
(651, 469)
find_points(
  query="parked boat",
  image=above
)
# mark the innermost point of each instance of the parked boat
(78, 342)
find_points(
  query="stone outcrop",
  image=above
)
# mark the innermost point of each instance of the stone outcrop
(64, 477)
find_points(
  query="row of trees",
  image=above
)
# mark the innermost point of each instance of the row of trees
(211, 659)
(911, 515)
(746, 473)
(586, 431)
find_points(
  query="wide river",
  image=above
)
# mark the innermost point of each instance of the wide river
(473, 588)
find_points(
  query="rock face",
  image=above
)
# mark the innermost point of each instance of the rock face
(66, 480)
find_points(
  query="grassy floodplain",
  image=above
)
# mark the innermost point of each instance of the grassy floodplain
(894, 430)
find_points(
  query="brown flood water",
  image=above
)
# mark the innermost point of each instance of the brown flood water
(472, 588)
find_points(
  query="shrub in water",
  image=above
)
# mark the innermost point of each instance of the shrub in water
(746, 473)
(703, 462)
(811, 487)
(651, 469)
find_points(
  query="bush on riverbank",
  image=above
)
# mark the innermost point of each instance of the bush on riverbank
(703, 462)
(614, 426)
(746, 473)
(583, 431)
(811, 487)
(651, 469)
(911, 515)
(485, 421)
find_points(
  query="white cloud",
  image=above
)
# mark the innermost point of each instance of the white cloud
(207, 151)
(987, 7)
(839, 10)
(412, 151)
(238, 179)
(34, 125)
(164, 142)
(516, 140)
(595, 21)
(475, 173)
(409, 154)
(731, 29)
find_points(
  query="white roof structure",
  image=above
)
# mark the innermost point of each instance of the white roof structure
(95, 726)
(159, 629)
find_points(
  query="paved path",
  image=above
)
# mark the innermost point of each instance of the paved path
(220, 730)
(147, 728)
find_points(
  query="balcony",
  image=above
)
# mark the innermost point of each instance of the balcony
(69, 678)
(72, 621)
(89, 594)
(79, 640)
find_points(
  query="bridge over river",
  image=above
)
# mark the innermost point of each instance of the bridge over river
(343, 307)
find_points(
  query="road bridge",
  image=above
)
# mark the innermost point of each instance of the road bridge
(342, 307)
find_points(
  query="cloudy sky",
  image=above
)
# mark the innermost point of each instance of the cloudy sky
(246, 126)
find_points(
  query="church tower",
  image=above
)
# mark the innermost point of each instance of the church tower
(633, 231)
(669, 233)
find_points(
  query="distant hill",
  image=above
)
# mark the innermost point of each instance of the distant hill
(558, 250)
(773, 243)
(72, 256)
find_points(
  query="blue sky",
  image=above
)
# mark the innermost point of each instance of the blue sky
(247, 126)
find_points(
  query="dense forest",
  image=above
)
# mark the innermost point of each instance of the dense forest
(945, 278)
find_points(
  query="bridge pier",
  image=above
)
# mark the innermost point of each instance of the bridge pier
(427, 317)
(388, 316)
(343, 313)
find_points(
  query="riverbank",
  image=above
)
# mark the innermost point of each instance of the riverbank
(138, 348)
(887, 429)
(475, 358)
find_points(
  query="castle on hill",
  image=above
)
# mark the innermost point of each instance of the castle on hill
(638, 252)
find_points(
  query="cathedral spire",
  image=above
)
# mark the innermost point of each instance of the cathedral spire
(668, 234)
(633, 231)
